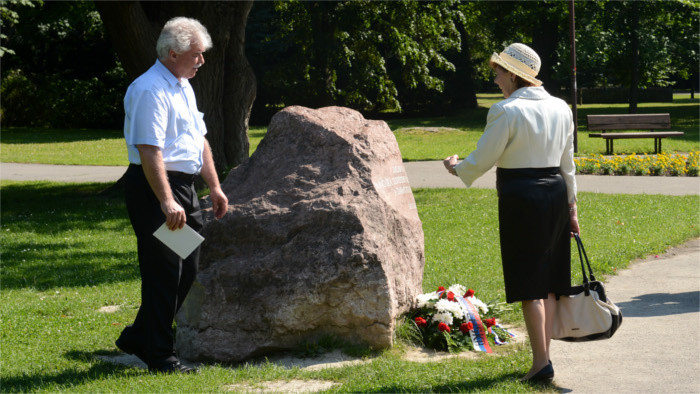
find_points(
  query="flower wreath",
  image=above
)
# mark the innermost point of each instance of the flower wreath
(449, 321)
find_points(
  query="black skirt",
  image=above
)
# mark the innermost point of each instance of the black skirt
(534, 222)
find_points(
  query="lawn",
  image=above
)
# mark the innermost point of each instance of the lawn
(438, 137)
(423, 138)
(68, 251)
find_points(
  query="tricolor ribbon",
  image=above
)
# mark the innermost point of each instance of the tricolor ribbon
(478, 333)
(497, 340)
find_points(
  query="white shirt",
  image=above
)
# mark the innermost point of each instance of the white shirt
(162, 111)
(530, 129)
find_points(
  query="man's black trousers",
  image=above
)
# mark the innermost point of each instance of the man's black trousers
(165, 277)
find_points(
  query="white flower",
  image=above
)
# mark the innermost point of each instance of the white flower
(443, 317)
(450, 307)
(426, 299)
(457, 289)
(479, 304)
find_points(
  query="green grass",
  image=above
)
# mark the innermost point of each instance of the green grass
(59, 146)
(465, 127)
(68, 251)
(75, 146)
(418, 138)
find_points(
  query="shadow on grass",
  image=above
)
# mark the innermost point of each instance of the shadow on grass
(471, 385)
(465, 119)
(64, 235)
(31, 382)
(48, 266)
(37, 135)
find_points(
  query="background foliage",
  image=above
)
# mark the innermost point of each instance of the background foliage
(406, 56)
(61, 71)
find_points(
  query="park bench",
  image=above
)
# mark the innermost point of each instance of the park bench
(631, 122)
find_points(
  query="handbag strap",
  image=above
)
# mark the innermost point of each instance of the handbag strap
(583, 256)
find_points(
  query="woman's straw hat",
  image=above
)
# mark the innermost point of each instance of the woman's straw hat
(521, 60)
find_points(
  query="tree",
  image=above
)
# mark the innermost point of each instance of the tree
(56, 59)
(542, 25)
(225, 86)
(368, 55)
(658, 39)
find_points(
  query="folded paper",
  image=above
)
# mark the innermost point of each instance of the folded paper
(182, 241)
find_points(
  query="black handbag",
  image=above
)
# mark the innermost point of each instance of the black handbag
(586, 313)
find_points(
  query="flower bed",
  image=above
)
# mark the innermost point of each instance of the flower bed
(661, 164)
(449, 321)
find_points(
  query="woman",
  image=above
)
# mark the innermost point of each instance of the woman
(529, 135)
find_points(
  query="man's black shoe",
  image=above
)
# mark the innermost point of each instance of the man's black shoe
(171, 367)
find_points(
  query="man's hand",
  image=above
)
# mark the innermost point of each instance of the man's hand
(219, 202)
(218, 198)
(450, 164)
(175, 217)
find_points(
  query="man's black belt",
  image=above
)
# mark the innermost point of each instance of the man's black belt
(174, 175)
(181, 176)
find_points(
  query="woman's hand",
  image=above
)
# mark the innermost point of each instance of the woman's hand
(573, 217)
(450, 164)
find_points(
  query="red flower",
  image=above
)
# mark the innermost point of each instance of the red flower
(441, 288)
(443, 327)
(420, 322)
(450, 296)
(490, 322)
(469, 293)
(466, 327)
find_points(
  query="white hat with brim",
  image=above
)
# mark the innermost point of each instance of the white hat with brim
(521, 60)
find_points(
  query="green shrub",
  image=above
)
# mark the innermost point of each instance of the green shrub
(50, 101)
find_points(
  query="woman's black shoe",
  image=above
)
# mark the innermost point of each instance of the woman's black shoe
(545, 375)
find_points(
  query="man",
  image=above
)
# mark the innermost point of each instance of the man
(164, 133)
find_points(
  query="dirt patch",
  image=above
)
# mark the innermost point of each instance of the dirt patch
(283, 386)
(124, 359)
(334, 359)
(109, 309)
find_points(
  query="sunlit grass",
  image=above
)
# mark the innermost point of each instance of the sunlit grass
(68, 251)
(422, 138)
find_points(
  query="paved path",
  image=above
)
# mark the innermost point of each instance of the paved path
(433, 174)
(657, 348)
(55, 173)
(420, 174)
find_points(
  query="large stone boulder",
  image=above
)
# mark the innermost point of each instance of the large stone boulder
(322, 237)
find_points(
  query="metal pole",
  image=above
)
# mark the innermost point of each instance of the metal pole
(574, 94)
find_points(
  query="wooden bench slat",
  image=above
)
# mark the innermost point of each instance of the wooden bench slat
(629, 122)
(659, 134)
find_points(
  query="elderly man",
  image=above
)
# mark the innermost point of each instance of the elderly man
(164, 134)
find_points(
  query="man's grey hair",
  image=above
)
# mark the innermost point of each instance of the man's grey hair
(179, 33)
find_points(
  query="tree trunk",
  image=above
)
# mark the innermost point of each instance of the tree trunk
(459, 89)
(224, 86)
(634, 48)
(545, 38)
(323, 43)
(693, 84)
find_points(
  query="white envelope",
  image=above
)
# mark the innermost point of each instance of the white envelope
(182, 241)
